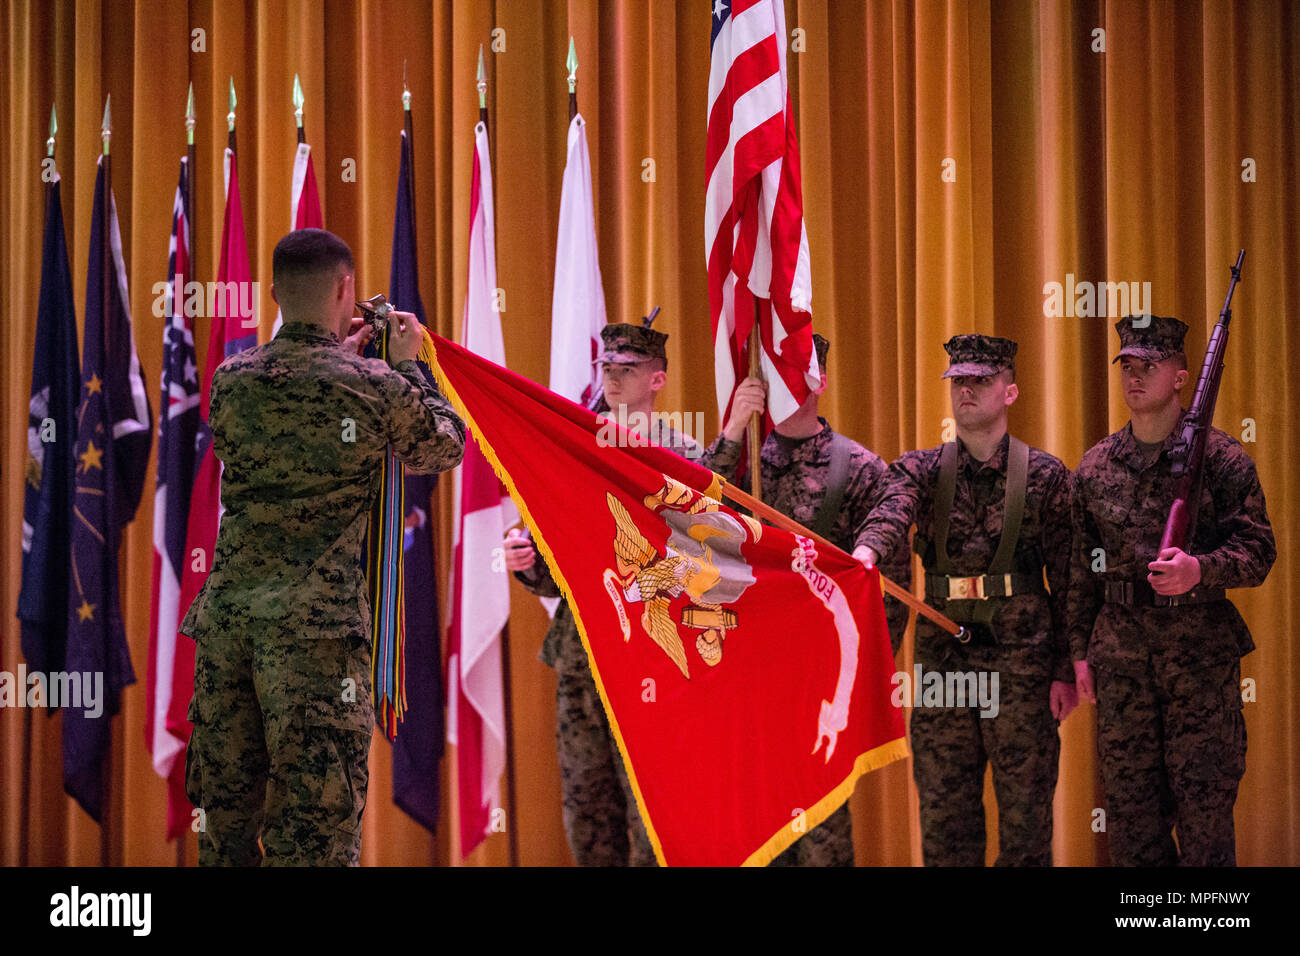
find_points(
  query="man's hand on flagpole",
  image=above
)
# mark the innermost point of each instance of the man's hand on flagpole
(750, 398)
(519, 552)
(1063, 698)
(867, 556)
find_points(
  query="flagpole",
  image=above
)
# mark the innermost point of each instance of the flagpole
(106, 790)
(190, 151)
(298, 101)
(24, 807)
(507, 701)
(755, 432)
(409, 166)
(572, 64)
(789, 524)
(230, 118)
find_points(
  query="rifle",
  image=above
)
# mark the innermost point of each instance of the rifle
(1188, 454)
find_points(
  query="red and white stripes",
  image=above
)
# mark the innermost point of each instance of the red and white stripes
(756, 245)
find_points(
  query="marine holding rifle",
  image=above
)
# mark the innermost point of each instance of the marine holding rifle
(1150, 623)
(991, 515)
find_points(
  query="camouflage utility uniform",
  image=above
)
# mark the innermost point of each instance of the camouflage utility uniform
(601, 819)
(282, 707)
(1170, 730)
(797, 473)
(1024, 644)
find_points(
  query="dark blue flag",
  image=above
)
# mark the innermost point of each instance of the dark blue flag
(51, 433)
(114, 435)
(417, 751)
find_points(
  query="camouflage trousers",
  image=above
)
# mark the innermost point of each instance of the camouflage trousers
(951, 746)
(1173, 750)
(282, 729)
(830, 843)
(601, 819)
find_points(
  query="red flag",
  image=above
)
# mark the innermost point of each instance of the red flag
(755, 243)
(234, 328)
(480, 594)
(304, 204)
(306, 200)
(178, 426)
(746, 679)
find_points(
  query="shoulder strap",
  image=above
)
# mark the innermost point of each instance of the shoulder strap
(1013, 509)
(837, 481)
(944, 493)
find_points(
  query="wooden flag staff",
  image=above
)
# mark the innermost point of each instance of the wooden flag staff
(789, 524)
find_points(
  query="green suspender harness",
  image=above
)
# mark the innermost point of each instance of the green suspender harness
(968, 599)
(837, 480)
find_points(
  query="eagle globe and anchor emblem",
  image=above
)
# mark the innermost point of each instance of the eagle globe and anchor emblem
(704, 561)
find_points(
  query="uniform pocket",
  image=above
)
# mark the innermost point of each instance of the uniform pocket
(337, 744)
(193, 765)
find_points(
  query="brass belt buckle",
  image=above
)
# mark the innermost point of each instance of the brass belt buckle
(965, 589)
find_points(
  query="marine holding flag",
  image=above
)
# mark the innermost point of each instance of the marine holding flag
(829, 483)
(600, 813)
(744, 674)
(282, 707)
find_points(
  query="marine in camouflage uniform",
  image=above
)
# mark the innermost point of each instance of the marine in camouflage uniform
(1024, 642)
(282, 707)
(601, 819)
(1170, 730)
(798, 474)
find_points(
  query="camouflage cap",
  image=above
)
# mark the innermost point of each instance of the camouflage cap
(823, 347)
(1149, 337)
(629, 344)
(978, 355)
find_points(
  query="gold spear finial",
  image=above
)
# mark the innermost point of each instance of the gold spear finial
(406, 93)
(572, 64)
(482, 81)
(106, 129)
(54, 128)
(190, 119)
(230, 117)
(298, 100)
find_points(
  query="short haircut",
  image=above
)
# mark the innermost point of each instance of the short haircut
(1010, 373)
(308, 254)
(1180, 359)
(658, 364)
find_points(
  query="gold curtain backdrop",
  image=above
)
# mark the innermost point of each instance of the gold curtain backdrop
(956, 157)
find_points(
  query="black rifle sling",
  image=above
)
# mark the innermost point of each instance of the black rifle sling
(837, 481)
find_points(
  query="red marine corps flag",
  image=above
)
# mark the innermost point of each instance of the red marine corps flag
(746, 677)
(755, 242)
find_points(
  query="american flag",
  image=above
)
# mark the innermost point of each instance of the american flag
(755, 242)
(178, 428)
